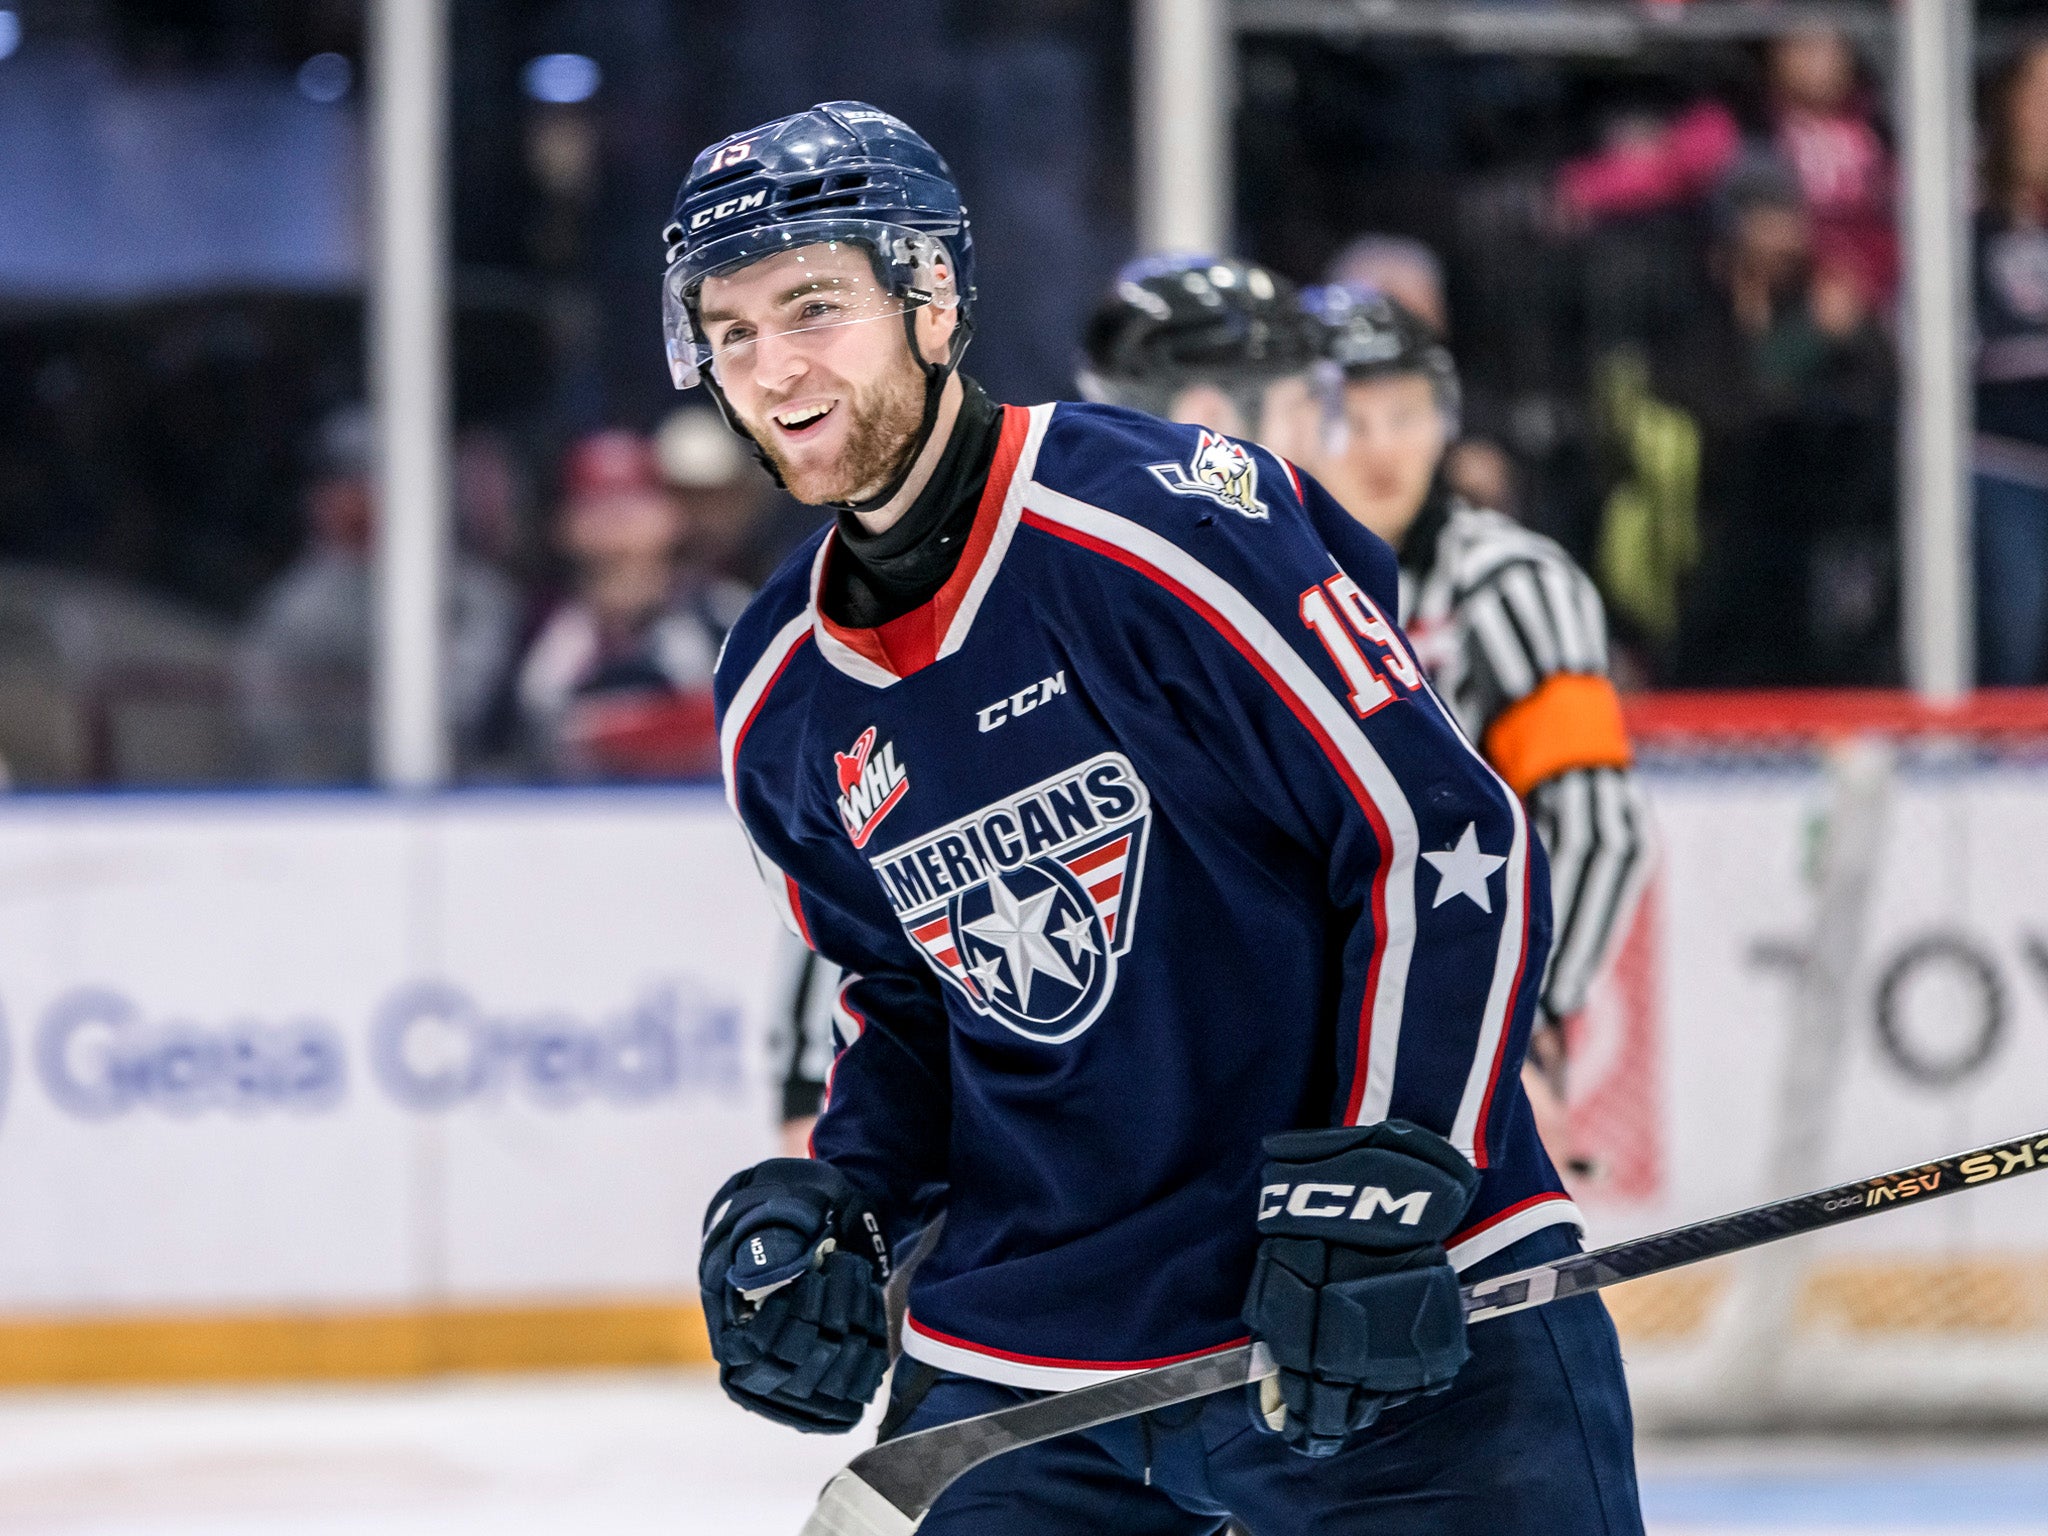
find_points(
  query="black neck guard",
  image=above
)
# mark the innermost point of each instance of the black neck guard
(876, 577)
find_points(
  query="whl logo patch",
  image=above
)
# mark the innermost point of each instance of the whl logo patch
(871, 784)
(1221, 470)
(1025, 906)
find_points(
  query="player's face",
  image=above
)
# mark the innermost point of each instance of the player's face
(1291, 421)
(1204, 405)
(810, 351)
(1392, 439)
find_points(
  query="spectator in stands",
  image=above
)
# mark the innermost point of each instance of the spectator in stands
(617, 684)
(1789, 383)
(1823, 124)
(304, 665)
(1820, 123)
(718, 491)
(2012, 376)
(1405, 270)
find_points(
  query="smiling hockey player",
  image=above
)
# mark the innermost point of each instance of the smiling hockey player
(1190, 951)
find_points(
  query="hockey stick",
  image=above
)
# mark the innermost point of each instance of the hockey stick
(887, 1491)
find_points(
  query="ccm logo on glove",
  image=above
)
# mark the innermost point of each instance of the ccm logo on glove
(1335, 1200)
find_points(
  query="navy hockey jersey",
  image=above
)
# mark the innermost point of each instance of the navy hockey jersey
(1142, 839)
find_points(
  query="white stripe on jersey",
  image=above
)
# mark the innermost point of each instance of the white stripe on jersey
(1006, 529)
(738, 716)
(1341, 726)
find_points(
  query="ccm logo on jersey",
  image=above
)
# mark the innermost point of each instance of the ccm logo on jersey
(871, 784)
(1022, 702)
(1221, 471)
(726, 209)
(1335, 1200)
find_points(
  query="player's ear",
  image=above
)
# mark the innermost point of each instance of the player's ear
(934, 327)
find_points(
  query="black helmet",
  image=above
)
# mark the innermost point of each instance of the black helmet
(1370, 336)
(1170, 322)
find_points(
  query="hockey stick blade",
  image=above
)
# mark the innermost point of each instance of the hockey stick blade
(886, 1491)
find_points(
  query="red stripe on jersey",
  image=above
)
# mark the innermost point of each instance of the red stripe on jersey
(1300, 710)
(1108, 888)
(740, 738)
(1507, 1024)
(911, 641)
(929, 931)
(1480, 1228)
(1071, 1365)
(796, 907)
(1101, 856)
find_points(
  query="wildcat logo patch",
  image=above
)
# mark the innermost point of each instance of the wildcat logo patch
(1025, 906)
(1221, 470)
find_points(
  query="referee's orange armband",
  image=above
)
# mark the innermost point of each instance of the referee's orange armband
(1572, 720)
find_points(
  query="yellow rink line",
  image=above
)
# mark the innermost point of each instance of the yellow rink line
(341, 1346)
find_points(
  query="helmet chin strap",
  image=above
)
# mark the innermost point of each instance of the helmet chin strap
(935, 376)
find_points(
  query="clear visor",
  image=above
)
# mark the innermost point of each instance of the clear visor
(797, 286)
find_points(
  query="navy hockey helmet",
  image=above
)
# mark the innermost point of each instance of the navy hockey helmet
(1171, 322)
(1368, 335)
(843, 172)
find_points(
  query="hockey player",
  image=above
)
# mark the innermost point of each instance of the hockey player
(1189, 950)
(1211, 341)
(1510, 631)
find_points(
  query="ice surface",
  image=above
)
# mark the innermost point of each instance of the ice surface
(625, 1454)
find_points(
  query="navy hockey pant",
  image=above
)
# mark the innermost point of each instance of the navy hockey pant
(1533, 1439)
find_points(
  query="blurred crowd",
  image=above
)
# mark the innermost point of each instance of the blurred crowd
(1673, 292)
(579, 649)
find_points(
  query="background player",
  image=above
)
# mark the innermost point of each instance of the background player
(1512, 634)
(1150, 859)
(1213, 341)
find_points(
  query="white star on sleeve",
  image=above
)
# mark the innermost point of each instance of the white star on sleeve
(1464, 870)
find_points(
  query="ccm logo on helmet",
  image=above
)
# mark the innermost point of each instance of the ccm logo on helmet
(728, 208)
(1335, 1200)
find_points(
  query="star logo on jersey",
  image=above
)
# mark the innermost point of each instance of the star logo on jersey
(1025, 906)
(871, 785)
(1464, 871)
(1221, 470)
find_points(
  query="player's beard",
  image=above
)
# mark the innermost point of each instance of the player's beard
(881, 433)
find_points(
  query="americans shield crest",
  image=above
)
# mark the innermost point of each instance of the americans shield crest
(1025, 906)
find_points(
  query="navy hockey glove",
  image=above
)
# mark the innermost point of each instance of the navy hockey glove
(791, 1276)
(1352, 1291)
